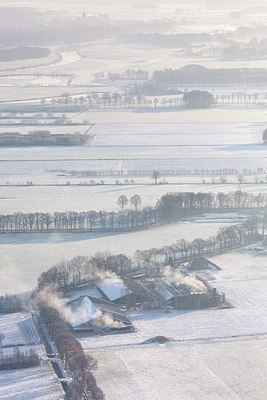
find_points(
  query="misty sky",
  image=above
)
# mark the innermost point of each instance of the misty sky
(122, 7)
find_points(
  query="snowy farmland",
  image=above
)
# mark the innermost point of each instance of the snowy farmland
(118, 147)
(123, 149)
(34, 383)
(208, 371)
(26, 256)
(213, 354)
(39, 383)
(78, 198)
(19, 330)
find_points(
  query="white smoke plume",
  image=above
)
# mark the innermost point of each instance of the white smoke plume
(172, 276)
(106, 320)
(84, 312)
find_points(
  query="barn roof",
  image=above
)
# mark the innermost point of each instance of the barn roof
(113, 288)
(198, 263)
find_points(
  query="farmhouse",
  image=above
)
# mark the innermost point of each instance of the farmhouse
(102, 317)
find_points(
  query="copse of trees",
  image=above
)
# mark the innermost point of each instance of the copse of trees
(10, 304)
(130, 74)
(71, 353)
(199, 76)
(22, 53)
(173, 205)
(82, 269)
(19, 359)
(198, 99)
(42, 138)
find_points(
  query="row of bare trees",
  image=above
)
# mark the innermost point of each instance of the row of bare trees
(237, 98)
(81, 270)
(173, 205)
(227, 238)
(165, 172)
(18, 359)
(170, 207)
(10, 303)
(114, 100)
(80, 366)
(83, 221)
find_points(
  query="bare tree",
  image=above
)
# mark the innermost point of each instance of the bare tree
(240, 178)
(136, 201)
(122, 201)
(155, 175)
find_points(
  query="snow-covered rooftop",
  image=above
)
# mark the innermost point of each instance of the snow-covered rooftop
(163, 291)
(91, 292)
(113, 288)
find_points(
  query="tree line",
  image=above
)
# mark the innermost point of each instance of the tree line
(82, 270)
(173, 205)
(18, 359)
(133, 98)
(88, 221)
(163, 172)
(170, 207)
(80, 366)
(10, 303)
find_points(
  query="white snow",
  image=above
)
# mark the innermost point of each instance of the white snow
(26, 256)
(39, 383)
(163, 291)
(234, 370)
(113, 288)
(91, 292)
(34, 383)
(213, 354)
(18, 329)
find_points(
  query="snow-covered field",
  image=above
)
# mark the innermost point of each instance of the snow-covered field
(23, 254)
(19, 330)
(173, 134)
(101, 197)
(39, 383)
(26, 256)
(33, 383)
(214, 354)
(201, 371)
(122, 147)
(219, 115)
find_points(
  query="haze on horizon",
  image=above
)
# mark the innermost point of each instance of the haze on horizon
(159, 8)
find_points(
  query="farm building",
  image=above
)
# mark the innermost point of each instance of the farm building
(98, 316)
(113, 290)
(127, 292)
(201, 263)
